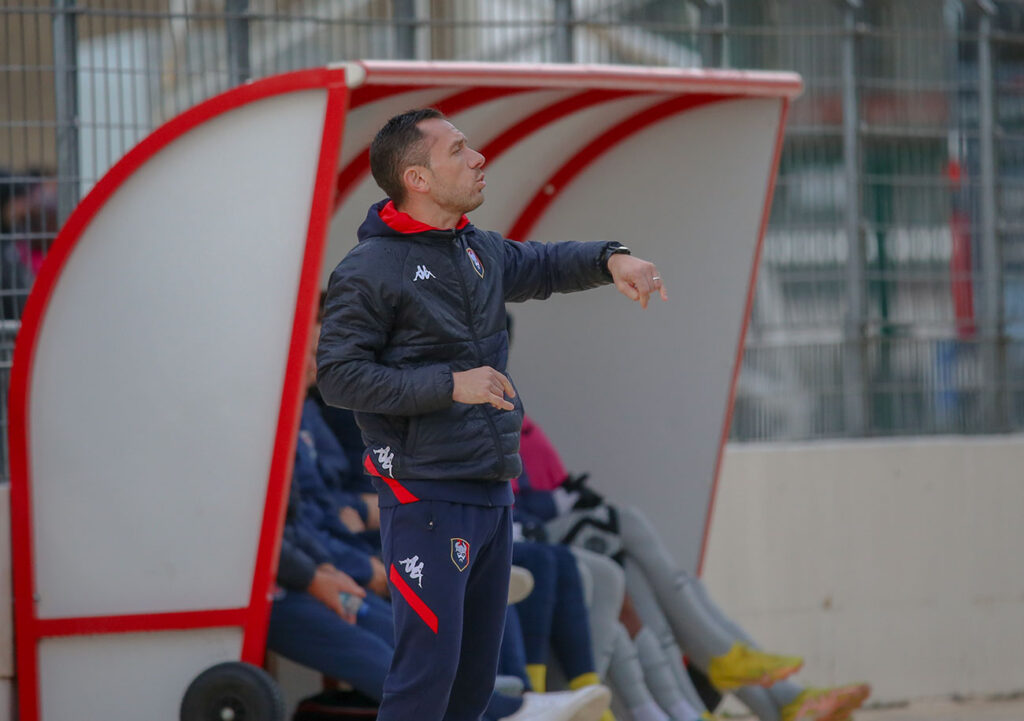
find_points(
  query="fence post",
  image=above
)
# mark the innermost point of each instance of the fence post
(713, 22)
(239, 69)
(855, 342)
(405, 28)
(992, 337)
(563, 31)
(65, 75)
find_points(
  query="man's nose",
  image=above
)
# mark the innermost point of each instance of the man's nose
(478, 159)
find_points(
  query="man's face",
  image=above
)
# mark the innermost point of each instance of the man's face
(456, 170)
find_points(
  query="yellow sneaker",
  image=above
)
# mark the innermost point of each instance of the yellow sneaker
(826, 704)
(851, 697)
(745, 666)
(708, 716)
(538, 675)
(812, 704)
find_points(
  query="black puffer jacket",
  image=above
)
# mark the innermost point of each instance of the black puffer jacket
(405, 310)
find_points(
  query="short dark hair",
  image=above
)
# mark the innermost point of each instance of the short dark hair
(398, 145)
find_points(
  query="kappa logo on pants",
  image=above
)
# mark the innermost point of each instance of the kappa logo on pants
(414, 567)
(460, 553)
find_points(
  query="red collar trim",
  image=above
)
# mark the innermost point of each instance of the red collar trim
(405, 223)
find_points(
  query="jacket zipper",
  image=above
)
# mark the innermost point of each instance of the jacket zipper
(456, 246)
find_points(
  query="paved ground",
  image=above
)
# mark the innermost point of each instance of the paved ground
(947, 711)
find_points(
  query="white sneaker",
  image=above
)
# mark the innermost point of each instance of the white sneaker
(520, 584)
(509, 685)
(585, 704)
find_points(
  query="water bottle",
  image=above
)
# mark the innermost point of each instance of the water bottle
(353, 605)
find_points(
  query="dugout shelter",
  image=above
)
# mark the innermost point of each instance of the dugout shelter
(157, 379)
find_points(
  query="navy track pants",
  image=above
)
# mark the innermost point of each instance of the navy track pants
(448, 568)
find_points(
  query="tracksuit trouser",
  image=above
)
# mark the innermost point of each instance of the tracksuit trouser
(448, 567)
(308, 632)
(512, 658)
(555, 614)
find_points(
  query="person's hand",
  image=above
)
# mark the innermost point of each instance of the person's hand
(379, 581)
(351, 519)
(328, 582)
(372, 510)
(636, 278)
(629, 618)
(483, 385)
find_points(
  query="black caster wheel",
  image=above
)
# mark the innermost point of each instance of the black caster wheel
(232, 691)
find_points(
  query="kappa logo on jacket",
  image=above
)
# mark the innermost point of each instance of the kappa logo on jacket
(414, 567)
(422, 274)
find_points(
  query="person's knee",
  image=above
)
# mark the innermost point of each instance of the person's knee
(562, 556)
(539, 560)
(607, 575)
(632, 521)
(566, 566)
(587, 580)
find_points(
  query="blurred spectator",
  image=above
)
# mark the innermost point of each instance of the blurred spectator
(28, 222)
(554, 616)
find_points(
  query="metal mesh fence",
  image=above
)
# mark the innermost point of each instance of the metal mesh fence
(891, 293)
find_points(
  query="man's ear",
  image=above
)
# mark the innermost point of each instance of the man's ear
(415, 179)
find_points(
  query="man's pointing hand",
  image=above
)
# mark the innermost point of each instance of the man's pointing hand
(636, 278)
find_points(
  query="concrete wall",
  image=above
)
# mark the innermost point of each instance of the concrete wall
(896, 562)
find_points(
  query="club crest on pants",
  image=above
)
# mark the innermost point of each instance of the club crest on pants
(460, 553)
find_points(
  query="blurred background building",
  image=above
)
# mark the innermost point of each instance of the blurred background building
(889, 302)
(890, 297)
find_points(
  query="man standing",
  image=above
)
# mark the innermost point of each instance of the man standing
(414, 341)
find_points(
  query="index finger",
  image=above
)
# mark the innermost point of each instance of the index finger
(509, 390)
(500, 403)
(644, 288)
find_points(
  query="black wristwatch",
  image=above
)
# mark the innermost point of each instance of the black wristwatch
(612, 248)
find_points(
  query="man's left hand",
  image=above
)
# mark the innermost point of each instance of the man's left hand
(636, 278)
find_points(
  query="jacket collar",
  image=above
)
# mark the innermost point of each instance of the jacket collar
(405, 223)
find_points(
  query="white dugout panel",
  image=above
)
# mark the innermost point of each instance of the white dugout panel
(159, 369)
(131, 676)
(639, 397)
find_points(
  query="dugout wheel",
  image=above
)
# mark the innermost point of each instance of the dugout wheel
(233, 691)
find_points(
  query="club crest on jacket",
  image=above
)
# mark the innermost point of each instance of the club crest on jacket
(475, 260)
